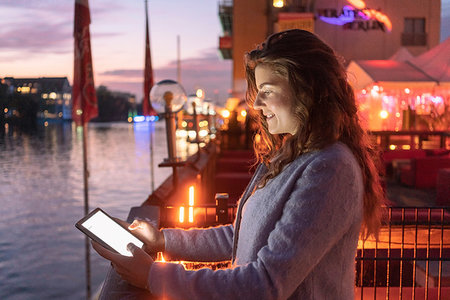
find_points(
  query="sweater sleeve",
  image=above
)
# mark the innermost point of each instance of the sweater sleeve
(212, 244)
(325, 202)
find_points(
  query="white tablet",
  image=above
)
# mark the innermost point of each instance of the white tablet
(103, 229)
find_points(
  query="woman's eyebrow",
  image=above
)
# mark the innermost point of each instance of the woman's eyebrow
(263, 84)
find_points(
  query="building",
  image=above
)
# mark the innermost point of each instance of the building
(356, 29)
(51, 94)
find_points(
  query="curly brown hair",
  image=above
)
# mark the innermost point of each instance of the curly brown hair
(325, 107)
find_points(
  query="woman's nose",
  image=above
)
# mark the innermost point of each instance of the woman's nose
(258, 104)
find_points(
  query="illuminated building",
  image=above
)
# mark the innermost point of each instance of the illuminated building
(52, 95)
(356, 29)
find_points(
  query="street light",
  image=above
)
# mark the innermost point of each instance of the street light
(168, 98)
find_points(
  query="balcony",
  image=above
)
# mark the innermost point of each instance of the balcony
(226, 15)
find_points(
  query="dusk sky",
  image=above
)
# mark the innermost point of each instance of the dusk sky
(36, 40)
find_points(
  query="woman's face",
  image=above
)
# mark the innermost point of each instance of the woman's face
(275, 100)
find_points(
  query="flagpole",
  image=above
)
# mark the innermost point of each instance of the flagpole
(86, 211)
(84, 101)
(146, 105)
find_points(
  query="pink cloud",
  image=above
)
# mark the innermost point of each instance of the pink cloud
(207, 71)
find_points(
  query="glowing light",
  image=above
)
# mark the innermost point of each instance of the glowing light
(5, 110)
(348, 15)
(25, 90)
(184, 123)
(364, 91)
(191, 204)
(192, 134)
(397, 114)
(376, 88)
(203, 133)
(243, 113)
(160, 257)
(407, 91)
(44, 96)
(181, 133)
(278, 3)
(225, 113)
(257, 138)
(200, 93)
(191, 195)
(359, 4)
(437, 100)
(52, 95)
(45, 123)
(406, 147)
(181, 216)
(384, 114)
(130, 119)
(138, 119)
(392, 147)
(191, 214)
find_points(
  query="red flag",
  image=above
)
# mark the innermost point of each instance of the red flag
(84, 99)
(147, 108)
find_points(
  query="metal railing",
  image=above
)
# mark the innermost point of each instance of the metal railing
(411, 258)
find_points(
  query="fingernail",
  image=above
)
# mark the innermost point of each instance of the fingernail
(130, 247)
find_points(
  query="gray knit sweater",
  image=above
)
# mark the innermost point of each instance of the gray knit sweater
(297, 237)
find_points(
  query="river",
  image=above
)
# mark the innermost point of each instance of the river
(42, 254)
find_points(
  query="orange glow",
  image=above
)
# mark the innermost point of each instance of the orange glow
(191, 195)
(225, 113)
(191, 204)
(372, 13)
(160, 257)
(384, 114)
(359, 4)
(392, 147)
(243, 113)
(406, 147)
(278, 3)
(191, 214)
(181, 216)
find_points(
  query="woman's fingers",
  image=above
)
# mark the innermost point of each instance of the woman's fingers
(122, 222)
(113, 257)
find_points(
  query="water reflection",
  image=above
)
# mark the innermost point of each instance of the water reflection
(41, 198)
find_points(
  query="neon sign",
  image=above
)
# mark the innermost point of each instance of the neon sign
(357, 16)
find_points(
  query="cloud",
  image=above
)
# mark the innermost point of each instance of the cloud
(206, 71)
(38, 37)
(44, 26)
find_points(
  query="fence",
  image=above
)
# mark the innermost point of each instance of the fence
(410, 260)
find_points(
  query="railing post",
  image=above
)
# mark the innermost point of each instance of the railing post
(222, 208)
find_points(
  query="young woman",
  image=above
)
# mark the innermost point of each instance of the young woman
(315, 191)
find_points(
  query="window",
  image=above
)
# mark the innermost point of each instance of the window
(414, 32)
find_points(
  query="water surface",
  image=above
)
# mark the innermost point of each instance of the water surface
(42, 254)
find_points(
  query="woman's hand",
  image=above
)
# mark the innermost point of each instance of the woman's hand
(152, 237)
(133, 269)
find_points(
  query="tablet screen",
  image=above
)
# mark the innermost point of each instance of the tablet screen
(111, 233)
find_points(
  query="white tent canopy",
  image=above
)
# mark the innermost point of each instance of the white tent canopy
(436, 62)
(402, 54)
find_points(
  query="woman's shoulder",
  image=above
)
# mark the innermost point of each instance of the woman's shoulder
(335, 156)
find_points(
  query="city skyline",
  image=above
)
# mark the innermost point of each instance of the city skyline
(37, 42)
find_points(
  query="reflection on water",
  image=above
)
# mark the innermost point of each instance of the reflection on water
(41, 198)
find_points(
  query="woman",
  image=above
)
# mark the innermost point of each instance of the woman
(314, 193)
